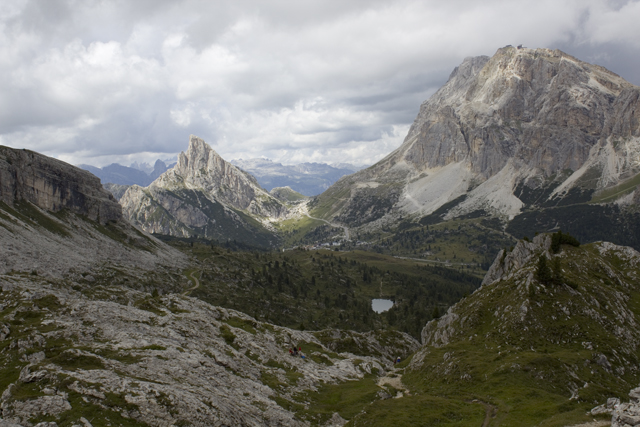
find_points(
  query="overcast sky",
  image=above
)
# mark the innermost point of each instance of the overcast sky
(100, 81)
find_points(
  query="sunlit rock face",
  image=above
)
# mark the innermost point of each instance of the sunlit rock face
(522, 121)
(204, 195)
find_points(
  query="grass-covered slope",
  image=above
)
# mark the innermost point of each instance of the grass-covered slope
(533, 353)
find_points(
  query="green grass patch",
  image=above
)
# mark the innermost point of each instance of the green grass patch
(226, 334)
(50, 302)
(34, 216)
(244, 324)
(154, 347)
(151, 305)
(272, 381)
(275, 364)
(617, 191)
(423, 411)
(121, 356)
(348, 399)
(72, 361)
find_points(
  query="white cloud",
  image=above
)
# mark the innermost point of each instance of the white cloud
(318, 80)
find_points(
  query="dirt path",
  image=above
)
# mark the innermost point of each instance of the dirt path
(195, 286)
(490, 411)
(593, 424)
(346, 230)
(395, 382)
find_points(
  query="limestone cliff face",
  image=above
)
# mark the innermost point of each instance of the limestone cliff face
(54, 185)
(537, 106)
(204, 195)
(55, 217)
(524, 120)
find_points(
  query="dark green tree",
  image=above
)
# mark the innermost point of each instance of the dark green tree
(543, 273)
(556, 272)
(558, 238)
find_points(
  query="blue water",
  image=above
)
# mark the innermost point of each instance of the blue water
(380, 305)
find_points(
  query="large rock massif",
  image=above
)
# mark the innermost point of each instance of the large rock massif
(203, 195)
(55, 218)
(53, 185)
(525, 128)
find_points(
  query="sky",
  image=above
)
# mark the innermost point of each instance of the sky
(103, 81)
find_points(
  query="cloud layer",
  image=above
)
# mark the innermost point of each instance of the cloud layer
(98, 81)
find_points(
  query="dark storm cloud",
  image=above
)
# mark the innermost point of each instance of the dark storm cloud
(97, 81)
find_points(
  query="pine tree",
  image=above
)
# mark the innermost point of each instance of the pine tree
(543, 273)
(556, 270)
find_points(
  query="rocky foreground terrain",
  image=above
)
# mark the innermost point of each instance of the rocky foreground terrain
(85, 353)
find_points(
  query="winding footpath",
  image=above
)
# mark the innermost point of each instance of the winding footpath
(195, 286)
(346, 230)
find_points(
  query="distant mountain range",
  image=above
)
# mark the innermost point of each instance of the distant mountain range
(135, 174)
(309, 179)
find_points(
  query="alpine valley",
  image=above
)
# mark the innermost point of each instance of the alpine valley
(504, 230)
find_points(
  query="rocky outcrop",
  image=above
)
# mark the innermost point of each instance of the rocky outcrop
(515, 130)
(54, 185)
(627, 414)
(200, 167)
(507, 264)
(117, 190)
(203, 195)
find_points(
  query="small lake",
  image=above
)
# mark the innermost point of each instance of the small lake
(380, 305)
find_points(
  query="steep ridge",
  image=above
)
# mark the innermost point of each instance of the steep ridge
(523, 129)
(55, 218)
(203, 195)
(543, 349)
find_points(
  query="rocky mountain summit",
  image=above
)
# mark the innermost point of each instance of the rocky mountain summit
(203, 195)
(522, 130)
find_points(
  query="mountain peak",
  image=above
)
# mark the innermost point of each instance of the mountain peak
(202, 195)
(525, 121)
